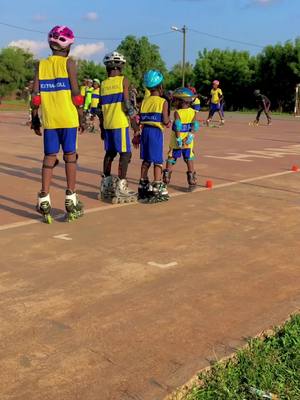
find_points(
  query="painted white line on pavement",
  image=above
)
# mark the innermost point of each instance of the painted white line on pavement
(162, 266)
(63, 236)
(177, 194)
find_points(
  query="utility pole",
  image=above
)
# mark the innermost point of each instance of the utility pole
(183, 30)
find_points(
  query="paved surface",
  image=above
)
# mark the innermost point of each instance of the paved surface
(129, 302)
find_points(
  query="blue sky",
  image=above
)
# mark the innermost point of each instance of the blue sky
(260, 22)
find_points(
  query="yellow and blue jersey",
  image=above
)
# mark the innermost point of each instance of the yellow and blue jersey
(58, 110)
(95, 98)
(196, 105)
(215, 95)
(112, 99)
(187, 117)
(152, 112)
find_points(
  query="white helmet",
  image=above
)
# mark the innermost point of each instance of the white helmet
(114, 59)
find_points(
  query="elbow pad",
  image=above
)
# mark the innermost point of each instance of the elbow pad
(78, 100)
(196, 126)
(36, 100)
(178, 125)
(129, 109)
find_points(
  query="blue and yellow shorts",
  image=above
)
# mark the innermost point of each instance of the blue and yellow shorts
(186, 153)
(117, 140)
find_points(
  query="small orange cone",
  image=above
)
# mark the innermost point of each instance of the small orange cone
(209, 184)
(295, 168)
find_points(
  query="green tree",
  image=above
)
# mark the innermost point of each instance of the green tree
(89, 69)
(16, 68)
(234, 69)
(278, 72)
(174, 79)
(141, 55)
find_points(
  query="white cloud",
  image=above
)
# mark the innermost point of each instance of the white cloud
(91, 16)
(33, 46)
(87, 51)
(39, 18)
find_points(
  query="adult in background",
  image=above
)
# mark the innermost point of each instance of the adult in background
(263, 105)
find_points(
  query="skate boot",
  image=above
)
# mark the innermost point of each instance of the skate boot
(192, 180)
(254, 123)
(123, 194)
(222, 121)
(269, 122)
(167, 176)
(73, 205)
(44, 207)
(160, 192)
(144, 190)
(208, 122)
(108, 188)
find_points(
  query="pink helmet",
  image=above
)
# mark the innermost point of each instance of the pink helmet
(62, 36)
(216, 82)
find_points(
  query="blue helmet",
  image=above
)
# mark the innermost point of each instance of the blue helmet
(153, 78)
(184, 94)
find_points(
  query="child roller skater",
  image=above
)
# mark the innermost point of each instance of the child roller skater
(116, 109)
(182, 138)
(264, 105)
(56, 91)
(216, 103)
(154, 118)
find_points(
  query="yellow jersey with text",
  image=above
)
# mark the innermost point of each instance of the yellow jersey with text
(58, 110)
(112, 102)
(187, 117)
(152, 111)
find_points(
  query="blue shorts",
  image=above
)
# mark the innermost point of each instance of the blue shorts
(196, 107)
(152, 144)
(214, 108)
(117, 140)
(187, 154)
(64, 137)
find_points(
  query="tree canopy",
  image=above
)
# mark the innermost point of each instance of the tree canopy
(275, 71)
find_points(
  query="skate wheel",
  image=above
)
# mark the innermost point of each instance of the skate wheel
(48, 219)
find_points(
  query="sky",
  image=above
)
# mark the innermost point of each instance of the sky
(105, 22)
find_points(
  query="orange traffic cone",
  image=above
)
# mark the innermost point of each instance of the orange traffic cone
(295, 168)
(209, 184)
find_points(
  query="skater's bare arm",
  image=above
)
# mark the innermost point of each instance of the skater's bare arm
(165, 112)
(72, 72)
(35, 120)
(129, 109)
(177, 118)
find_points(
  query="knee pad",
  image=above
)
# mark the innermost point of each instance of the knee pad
(125, 157)
(146, 164)
(158, 165)
(172, 161)
(110, 155)
(70, 158)
(50, 161)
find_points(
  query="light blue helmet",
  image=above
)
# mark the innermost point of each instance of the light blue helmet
(153, 78)
(184, 94)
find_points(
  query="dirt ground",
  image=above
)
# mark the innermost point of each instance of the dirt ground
(130, 301)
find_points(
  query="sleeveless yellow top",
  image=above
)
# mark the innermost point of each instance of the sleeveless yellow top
(187, 116)
(58, 110)
(152, 111)
(95, 98)
(112, 99)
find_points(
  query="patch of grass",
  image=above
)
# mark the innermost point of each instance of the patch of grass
(271, 364)
(13, 105)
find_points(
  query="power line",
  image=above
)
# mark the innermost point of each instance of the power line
(227, 39)
(80, 37)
